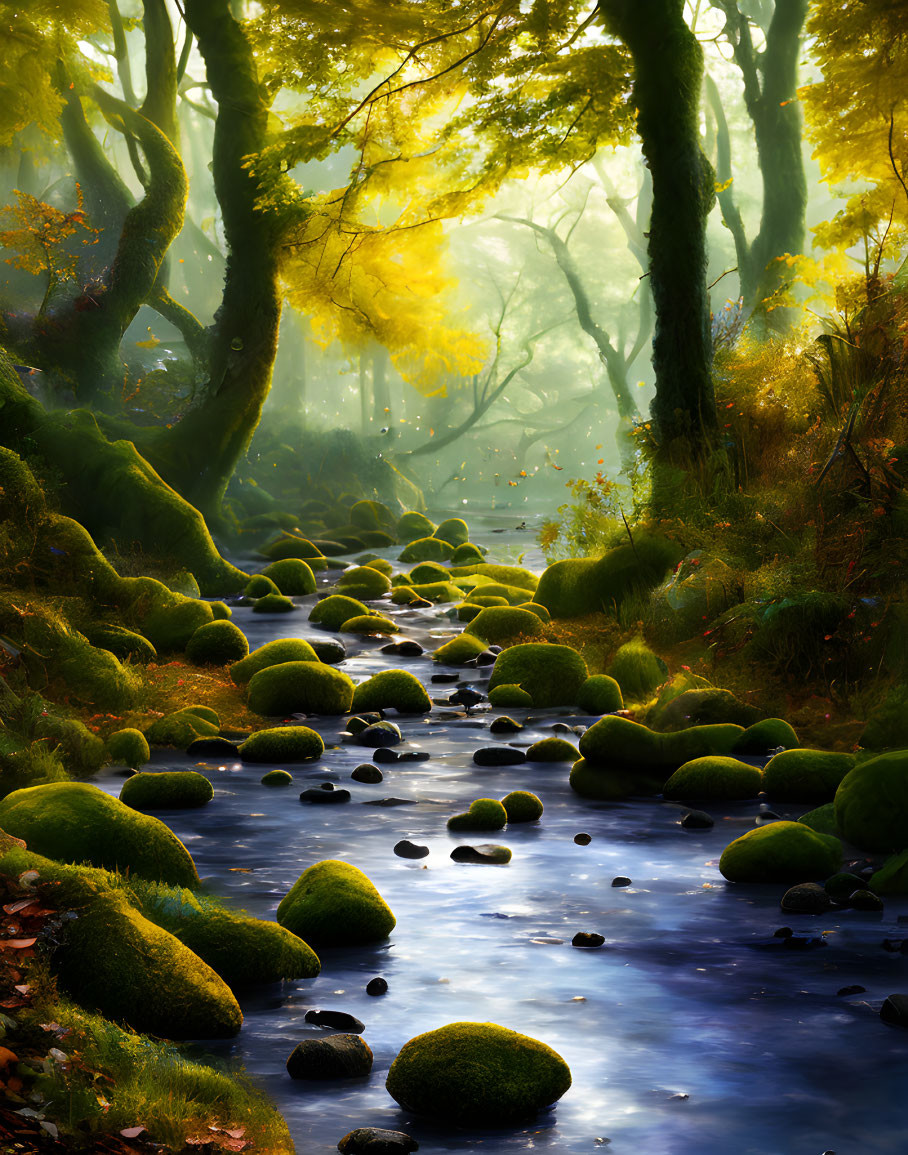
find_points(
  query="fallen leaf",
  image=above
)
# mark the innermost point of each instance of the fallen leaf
(17, 943)
(15, 907)
(132, 1132)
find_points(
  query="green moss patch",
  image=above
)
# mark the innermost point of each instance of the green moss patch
(425, 549)
(459, 650)
(413, 525)
(369, 624)
(128, 747)
(637, 670)
(363, 582)
(769, 734)
(334, 904)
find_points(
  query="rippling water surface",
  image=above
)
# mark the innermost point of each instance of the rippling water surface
(691, 1032)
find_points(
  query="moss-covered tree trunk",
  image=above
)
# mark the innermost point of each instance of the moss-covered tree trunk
(668, 69)
(199, 455)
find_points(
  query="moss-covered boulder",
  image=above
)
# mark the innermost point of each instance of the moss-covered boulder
(477, 1074)
(871, 803)
(259, 586)
(166, 790)
(467, 554)
(459, 650)
(637, 670)
(427, 591)
(363, 582)
(274, 604)
(781, 852)
(603, 783)
(600, 694)
(425, 549)
(522, 806)
(498, 625)
(121, 642)
(179, 729)
(369, 624)
(552, 750)
(300, 687)
(380, 563)
(277, 778)
(509, 575)
(429, 571)
(76, 822)
(552, 675)
(467, 611)
(808, 775)
(453, 529)
(171, 624)
(822, 819)
(217, 643)
(483, 814)
(368, 514)
(509, 694)
(292, 576)
(892, 876)
(413, 525)
(698, 706)
(81, 750)
(331, 612)
(282, 744)
(128, 747)
(480, 595)
(534, 608)
(621, 742)
(714, 777)
(394, 689)
(334, 904)
(768, 734)
(698, 741)
(291, 545)
(272, 654)
(593, 585)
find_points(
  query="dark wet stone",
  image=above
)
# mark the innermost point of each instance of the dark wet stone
(338, 1057)
(498, 756)
(783, 932)
(407, 849)
(562, 728)
(505, 725)
(587, 938)
(621, 880)
(390, 802)
(367, 773)
(496, 649)
(486, 658)
(376, 987)
(377, 1141)
(414, 756)
(380, 734)
(895, 1010)
(766, 816)
(407, 648)
(328, 650)
(440, 679)
(359, 722)
(806, 898)
(466, 696)
(865, 900)
(486, 852)
(583, 839)
(336, 1020)
(697, 820)
(841, 886)
(320, 794)
(385, 754)
(854, 989)
(800, 942)
(215, 747)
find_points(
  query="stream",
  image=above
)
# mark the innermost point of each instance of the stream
(692, 1031)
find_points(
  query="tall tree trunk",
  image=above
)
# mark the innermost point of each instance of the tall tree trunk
(668, 65)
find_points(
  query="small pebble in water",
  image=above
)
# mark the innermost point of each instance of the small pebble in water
(366, 772)
(854, 989)
(376, 987)
(587, 938)
(407, 849)
(697, 820)
(621, 880)
(336, 1021)
(440, 678)
(582, 839)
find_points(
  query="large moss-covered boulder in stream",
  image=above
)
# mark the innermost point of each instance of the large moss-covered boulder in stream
(300, 687)
(552, 675)
(822, 819)
(292, 546)
(468, 554)
(121, 642)
(453, 529)
(477, 1074)
(76, 822)
(412, 525)
(513, 595)
(507, 575)
(369, 625)
(805, 775)
(363, 582)
(394, 689)
(180, 729)
(429, 571)
(603, 783)
(781, 852)
(460, 650)
(619, 743)
(334, 904)
(292, 576)
(274, 604)
(522, 806)
(483, 814)
(171, 624)
(580, 586)
(766, 735)
(426, 549)
(714, 777)
(871, 803)
(166, 790)
(331, 612)
(217, 643)
(404, 595)
(283, 744)
(600, 694)
(128, 747)
(260, 586)
(509, 695)
(498, 625)
(552, 750)
(272, 654)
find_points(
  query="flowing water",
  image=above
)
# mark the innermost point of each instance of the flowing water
(692, 1031)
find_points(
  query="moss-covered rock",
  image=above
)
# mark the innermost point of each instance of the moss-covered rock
(805, 774)
(467, 554)
(477, 1074)
(453, 529)
(274, 604)
(892, 877)
(334, 904)
(363, 582)
(769, 734)
(282, 744)
(277, 778)
(397, 689)
(508, 575)
(512, 595)
(76, 822)
(552, 750)
(300, 687)
(166, 790)
(428, 591)
(822, 820)
(369, 624)
(871, 803)
(508, 694)
(425, 549)
(272, 654)
(332, 611)
(534, 608)
(551, 675)
(637, 670)
(259, 586)
(604, 784)
(179, 729)
(600, 694)
(621, 742)
(412, 525)
(292, 546)
(593, 585)
(170, 625)
(498, 625)
(522, 806)
(217, 643)
(380, 563)
(484, 814)
(428, 572)
(467, 611)
(698, 741)
(82, 751)
(714, 777)
(372, 515)
(292, 576)
(699, 706)
(781, 852)
(128, 747)
(459, 650)
(220, 611)
(122, 643)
